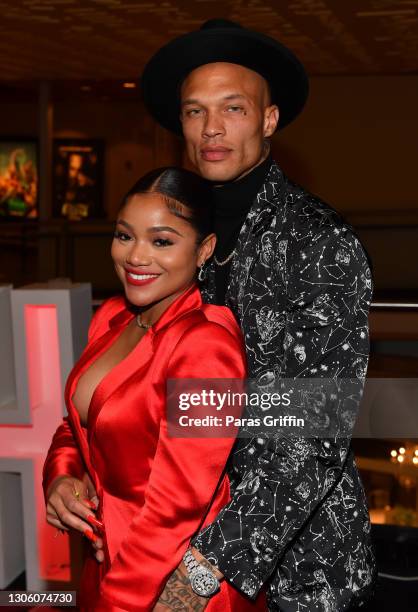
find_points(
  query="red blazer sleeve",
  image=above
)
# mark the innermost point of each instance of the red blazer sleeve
(183, 480)
(63, 457)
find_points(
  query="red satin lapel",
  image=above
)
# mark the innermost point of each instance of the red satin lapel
(137, 358)
(91, 352)
(190, 299)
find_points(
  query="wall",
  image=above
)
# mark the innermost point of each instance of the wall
(354, 146)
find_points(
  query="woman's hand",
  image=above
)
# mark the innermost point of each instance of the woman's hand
(65, 509)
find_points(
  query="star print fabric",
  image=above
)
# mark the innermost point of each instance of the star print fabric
(297, 523)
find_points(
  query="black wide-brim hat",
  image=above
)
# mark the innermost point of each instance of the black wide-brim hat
(219, 40)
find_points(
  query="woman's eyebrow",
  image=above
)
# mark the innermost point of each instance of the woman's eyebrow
(125, 224)
(156, 228)
(164, 228)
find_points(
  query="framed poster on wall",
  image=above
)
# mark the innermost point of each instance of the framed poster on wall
(18, 178)
(78, 179)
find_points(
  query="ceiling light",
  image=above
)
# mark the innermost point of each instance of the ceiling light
(129, 85)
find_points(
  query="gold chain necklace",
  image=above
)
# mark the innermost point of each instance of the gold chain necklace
(222, 263)
(139, 322)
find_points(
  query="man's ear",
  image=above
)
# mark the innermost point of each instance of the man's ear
(271, 119)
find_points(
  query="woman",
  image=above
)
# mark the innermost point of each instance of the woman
(154, 491)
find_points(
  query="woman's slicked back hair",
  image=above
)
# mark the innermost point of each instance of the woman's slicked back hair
(180, 186)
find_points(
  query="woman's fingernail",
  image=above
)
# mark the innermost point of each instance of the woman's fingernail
(90, 503)
(90, 535)
(93, 521)
(95, 501)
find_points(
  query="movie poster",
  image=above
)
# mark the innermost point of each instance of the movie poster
(78, 176)
(18, 179)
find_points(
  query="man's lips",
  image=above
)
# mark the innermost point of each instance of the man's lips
(214, 153)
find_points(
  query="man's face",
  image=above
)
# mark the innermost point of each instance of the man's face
(226, 115)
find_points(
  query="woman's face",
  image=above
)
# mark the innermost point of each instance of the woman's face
(155, 252)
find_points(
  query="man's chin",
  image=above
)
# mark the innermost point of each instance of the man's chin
(218, 171)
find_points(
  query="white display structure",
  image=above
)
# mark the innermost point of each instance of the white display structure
(49, 324)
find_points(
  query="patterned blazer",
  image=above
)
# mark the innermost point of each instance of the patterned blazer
(297, 523)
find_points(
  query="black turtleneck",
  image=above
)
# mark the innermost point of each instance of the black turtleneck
(232, 201)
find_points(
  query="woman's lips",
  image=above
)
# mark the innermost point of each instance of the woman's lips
(140, 279)
(215, 154)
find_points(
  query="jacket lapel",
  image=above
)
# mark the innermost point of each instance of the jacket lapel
(189, 300)
(79, 431)
(263, 208)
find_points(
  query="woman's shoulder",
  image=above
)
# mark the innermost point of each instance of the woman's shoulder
(210, 344)
(221, 316)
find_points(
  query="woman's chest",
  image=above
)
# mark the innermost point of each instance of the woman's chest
(99, 366)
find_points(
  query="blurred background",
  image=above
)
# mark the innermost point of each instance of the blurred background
(74, 137)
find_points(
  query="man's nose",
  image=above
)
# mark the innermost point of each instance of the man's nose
(213, 126)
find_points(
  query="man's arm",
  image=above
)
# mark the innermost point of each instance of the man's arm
(178, 593)
(326, 336)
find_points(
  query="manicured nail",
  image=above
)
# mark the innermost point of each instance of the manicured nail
(90, 503)
(93, 521)
(90, 535)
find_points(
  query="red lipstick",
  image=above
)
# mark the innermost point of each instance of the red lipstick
(132, 277)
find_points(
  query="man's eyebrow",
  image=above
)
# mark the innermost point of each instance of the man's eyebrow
(231, 96)
(157, 228)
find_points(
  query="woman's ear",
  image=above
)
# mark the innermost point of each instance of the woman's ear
(206, 248)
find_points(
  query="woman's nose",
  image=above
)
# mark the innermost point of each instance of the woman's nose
(139, 256)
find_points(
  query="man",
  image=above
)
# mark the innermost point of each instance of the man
(299, 283)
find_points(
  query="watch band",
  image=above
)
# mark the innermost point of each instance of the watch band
(191, 562)
(202, 580)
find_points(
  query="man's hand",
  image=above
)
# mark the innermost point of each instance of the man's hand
(178, 593)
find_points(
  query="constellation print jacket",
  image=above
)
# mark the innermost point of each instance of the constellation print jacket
(300, 287)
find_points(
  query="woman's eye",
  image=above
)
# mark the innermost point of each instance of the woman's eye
(192, 112)
(121, 236)
(235, 108)
(162, 242)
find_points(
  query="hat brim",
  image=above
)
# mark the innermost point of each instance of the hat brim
(164, 73)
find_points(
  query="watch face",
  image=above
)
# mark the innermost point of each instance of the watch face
(204, 583)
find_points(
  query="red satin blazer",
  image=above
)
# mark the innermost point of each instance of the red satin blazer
(154, 490)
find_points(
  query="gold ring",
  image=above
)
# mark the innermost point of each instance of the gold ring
(76, 493)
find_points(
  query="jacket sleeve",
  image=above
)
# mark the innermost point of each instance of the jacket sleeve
(325, 335)
(184, 477)
(63, 457)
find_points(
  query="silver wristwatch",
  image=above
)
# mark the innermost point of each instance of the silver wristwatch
(202, 580)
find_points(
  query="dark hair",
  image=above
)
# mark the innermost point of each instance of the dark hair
(182, 187)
